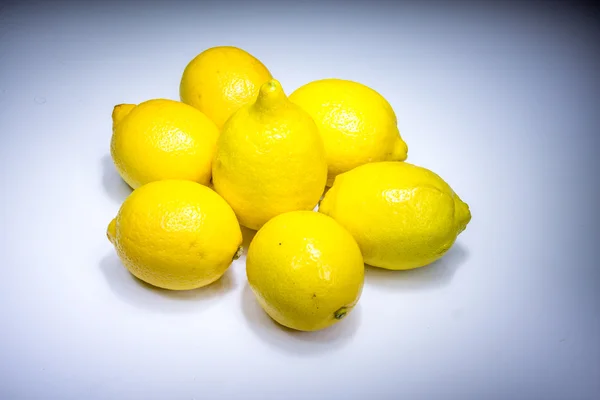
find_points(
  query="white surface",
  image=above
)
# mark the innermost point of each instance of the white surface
(499, 100)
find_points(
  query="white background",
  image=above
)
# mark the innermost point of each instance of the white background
(500, 99)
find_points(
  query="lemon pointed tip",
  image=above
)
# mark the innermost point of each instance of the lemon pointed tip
(400, 152)
(111, 231)
(463, 215)
(120, 111)
(271, 94)
(270, 88)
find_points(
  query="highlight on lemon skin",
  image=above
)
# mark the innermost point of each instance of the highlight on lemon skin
(357, 124)
(176, 234)
(401, 215)
(270, 159)
(162, 139)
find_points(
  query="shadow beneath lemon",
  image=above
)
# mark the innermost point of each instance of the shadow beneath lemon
(316, 209)
(247, 236)
(145, 296)
(113, 184)
(432, 276)
(297, 342)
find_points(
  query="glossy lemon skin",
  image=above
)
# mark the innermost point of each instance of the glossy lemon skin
(306, 271)
(175, 234)
(401, 215)
(270, 159)
(220, 80)
(357, 124)
(162, 139)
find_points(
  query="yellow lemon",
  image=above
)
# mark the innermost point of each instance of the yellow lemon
(305, 269)
(269, 159)
(220, 80)
(402, 216)
(357, 124)
(176, 234)
(162, 139)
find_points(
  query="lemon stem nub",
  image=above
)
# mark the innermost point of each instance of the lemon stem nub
(271, 94)
(111, 231)
(341, 313)
(238, 253)
(400, 151)
(120, 111)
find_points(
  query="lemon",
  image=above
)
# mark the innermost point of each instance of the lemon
(175, 234)
(269, 159)
(357, 124)
(220, 80)
(305, 269)
(402, 216)
(162, 139)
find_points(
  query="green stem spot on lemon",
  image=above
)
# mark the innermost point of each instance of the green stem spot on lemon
(341, 313)
(238, 253)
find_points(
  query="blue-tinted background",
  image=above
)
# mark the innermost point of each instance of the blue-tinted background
(500, 98)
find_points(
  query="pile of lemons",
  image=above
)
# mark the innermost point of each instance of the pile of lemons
(237, 151)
